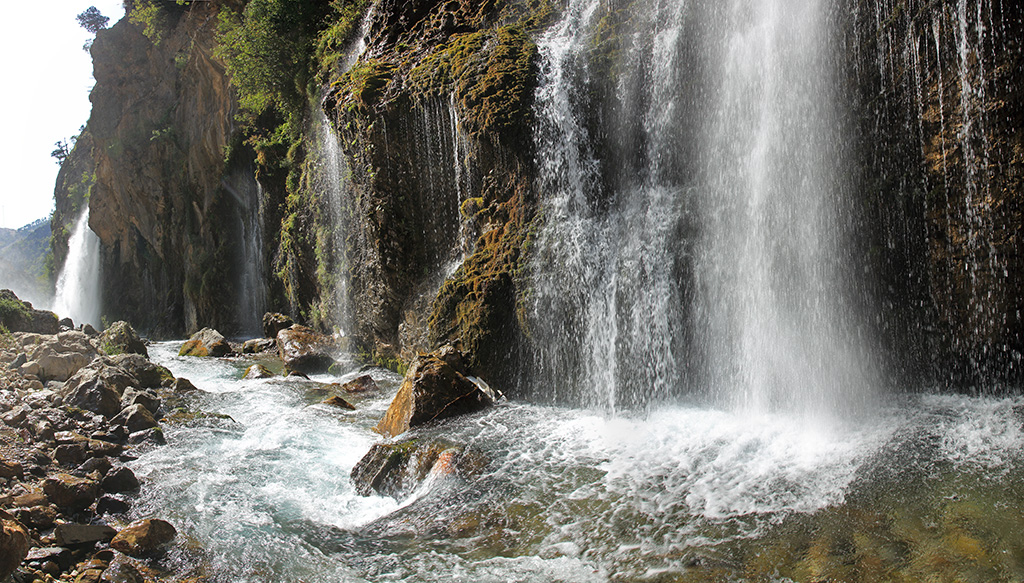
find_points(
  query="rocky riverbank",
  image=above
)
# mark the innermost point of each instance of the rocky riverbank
(74, 409)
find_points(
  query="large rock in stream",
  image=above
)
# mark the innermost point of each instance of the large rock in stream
(434, 389)
(206, 342)
(305, 350)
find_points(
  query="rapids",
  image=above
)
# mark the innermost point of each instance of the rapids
(920, 484)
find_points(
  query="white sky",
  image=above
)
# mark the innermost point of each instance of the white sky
(45, 98)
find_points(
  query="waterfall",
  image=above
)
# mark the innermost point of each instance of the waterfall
(252, 291)
(78, 285)
(700, 249)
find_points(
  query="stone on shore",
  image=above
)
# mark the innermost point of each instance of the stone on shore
(74, 534)
(72, 492)
(121, 338)
(14, 544)
(258, 345)
(305, 350)
(143, 537)
(135, 418)
(206, 342)
(149, 374)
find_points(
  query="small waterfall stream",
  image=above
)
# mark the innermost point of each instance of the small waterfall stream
(78, 286)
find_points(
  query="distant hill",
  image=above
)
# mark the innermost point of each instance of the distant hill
(23, 262)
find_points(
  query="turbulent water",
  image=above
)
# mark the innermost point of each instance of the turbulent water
(78, 286)
(699, 249)
(930, 484)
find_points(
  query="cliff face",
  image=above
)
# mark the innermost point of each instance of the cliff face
(942, 155)
(417, 230)
(166, 205)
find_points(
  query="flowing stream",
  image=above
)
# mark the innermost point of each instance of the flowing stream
(929, 483)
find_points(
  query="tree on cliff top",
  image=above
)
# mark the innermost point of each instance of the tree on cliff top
(92, 20)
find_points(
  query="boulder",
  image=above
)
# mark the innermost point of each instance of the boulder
(95, 394)
(119, 480)
(397, 468)
(182, 385)
(153, 435)
(58, 357)
(149, 374)
(360, 385)
(115, 377)
(274, 323)
(432, 390)
(71, 454)
(206, 342)
(67, 491)
(121, 338)
(11, 469)
(336, 401)
(257, 371)
(147, 399)
(135, 418)
(14, 544)
(143, 537)
(258, 345)
(305, 350)
(121, 571)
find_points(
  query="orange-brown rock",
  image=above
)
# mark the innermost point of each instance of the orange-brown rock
(305, 350)
(14, 544)
(143, 537)
(432, 390)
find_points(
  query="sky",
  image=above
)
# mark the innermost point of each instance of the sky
(45, 98)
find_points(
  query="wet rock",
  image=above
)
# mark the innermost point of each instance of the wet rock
(182, 385)
(305, 350)
(75, 534)
(258, 371)
(206, 342)
(148, 374)
(120, 479)
(258, 345)
(16, 416)
(336, 401)
(143, 537)
(99, 447)
(112, 505)
(59, 555)
(14, 544)
(432, 390)
(72, 492)
(274, 323)
(136, 397)
(397, 468)
(360, 384)
(153, 436)
(121, 571)
(96, 464)
(90, 575)
(135, 418)
(121, 338)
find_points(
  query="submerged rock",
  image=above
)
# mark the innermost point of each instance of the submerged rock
(206, 342)
(433, 390)
(144, 537)
(121, 338)
(305, 350)
(336, 401)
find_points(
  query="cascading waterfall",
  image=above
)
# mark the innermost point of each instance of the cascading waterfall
(78, 285)
(710, 237)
